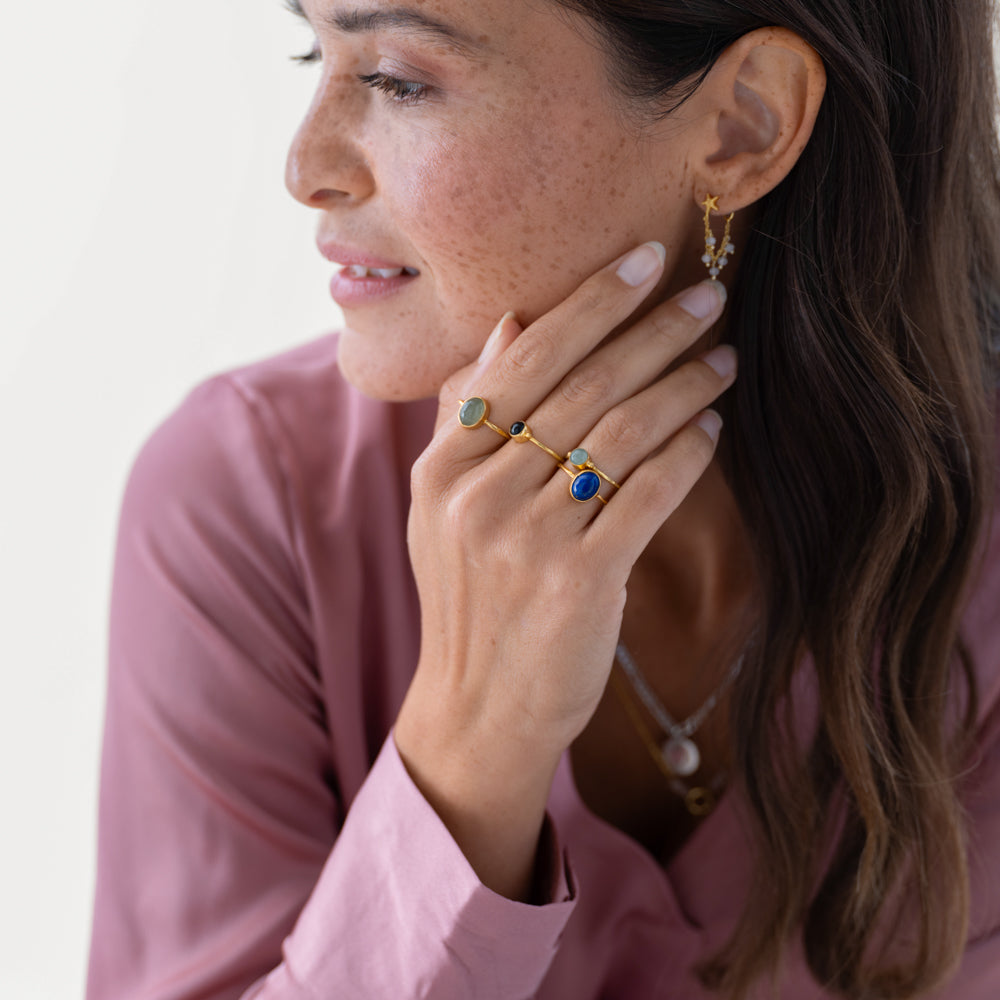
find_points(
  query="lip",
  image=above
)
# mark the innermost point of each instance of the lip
(349, 291)
(341, 253)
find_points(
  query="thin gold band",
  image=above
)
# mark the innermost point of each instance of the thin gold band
(499, 430)
(524, 434)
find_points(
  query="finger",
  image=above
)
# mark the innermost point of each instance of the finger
(630, 432)
(462, 384)
(627, 365)
(653, 492)
(541, 356)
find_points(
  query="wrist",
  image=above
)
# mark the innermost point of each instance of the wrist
(488, 792)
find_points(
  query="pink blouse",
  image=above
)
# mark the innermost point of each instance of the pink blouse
(259, 835)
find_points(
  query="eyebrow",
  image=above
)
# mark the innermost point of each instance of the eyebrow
(403, 19)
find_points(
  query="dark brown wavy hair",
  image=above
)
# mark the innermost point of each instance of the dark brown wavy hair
(861, 427)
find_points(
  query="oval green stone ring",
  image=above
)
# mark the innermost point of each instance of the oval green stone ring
(473, 412)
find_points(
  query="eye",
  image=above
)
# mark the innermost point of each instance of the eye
(401, 91)
(313, 55)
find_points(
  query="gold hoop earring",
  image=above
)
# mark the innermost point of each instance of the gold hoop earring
(716, 255)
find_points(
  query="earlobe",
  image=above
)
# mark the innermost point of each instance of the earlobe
(763, 95)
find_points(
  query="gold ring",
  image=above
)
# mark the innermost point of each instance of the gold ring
(520, 431)
(473, 413)
(579, 458)
(584, 485)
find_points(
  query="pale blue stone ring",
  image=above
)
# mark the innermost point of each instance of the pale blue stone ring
(580, 459)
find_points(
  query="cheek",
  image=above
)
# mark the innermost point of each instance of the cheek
(511, 218)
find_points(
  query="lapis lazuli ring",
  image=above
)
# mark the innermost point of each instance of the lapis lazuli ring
(580, 459)
(474, 412)
(584, 485)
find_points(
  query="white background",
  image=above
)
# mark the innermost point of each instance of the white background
(146, 242)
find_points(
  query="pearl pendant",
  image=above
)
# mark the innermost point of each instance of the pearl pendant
(681, 755)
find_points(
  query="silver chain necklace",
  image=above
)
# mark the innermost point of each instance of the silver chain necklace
(679, 751)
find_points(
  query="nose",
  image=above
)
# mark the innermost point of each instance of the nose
(326, 160)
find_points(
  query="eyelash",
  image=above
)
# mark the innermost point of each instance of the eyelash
(309, 57)
(400, 91)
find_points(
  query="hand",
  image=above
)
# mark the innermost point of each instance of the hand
(521, 588)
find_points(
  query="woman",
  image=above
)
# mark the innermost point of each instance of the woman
(726, 726)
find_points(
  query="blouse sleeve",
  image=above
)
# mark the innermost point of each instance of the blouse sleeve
(227, 867)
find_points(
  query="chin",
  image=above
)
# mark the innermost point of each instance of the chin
(390, 375)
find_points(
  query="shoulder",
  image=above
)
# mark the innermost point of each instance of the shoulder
(274, 439)
(302, 392)
(246, 510)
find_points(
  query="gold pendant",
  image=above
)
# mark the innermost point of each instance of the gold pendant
(699, 801)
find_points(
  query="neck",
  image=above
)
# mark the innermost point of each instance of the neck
(696, 574)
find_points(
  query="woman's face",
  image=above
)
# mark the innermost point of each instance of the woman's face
(480, 146)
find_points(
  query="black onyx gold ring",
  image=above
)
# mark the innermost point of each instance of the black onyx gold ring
(520, 431)
(474, 412)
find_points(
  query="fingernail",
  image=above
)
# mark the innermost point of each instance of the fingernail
(486, 354)
(722, 360)
(710, 422)
(703, 299)
(642, 263)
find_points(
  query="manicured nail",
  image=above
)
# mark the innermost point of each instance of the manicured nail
(486, 354)
(703, 299)
(722, 360)
(642, 263)
(710, 422)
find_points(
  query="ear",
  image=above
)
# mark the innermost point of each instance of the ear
(756, 111)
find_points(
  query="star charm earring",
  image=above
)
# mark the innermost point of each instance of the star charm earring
(716, 255)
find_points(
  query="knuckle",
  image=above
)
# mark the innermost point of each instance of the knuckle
(456, 508)
(656, 490)
(593, 384)
(463, 505)
(671, 325)
(703, 382)
(624, 431)
(696, 446)
(450, 391)
(599, 295)
(426, 473)
(657, 495)
(592, 299)
(529, 355)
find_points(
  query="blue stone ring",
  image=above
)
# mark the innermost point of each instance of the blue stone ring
(584, 486)
(580, 459)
